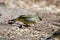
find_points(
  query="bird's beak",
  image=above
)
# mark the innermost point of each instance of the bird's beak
(11, 21)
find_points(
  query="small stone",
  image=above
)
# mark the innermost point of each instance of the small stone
(0, 14)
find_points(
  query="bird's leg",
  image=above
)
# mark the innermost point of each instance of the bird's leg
(20, 26)
(26, 25)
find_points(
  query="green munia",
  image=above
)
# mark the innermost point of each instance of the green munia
(26, 19)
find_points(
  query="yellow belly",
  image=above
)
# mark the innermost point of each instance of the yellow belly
(26, 22)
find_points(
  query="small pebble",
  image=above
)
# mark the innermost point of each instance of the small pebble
(0, 14)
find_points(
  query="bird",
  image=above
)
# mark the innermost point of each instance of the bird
(26, 19)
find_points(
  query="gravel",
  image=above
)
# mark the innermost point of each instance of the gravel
(49, 14)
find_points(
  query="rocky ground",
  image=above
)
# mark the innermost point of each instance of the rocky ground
(48, 10)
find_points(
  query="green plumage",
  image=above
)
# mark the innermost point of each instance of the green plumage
(28, 19)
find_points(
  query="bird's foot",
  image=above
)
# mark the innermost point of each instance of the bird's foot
(26, 25)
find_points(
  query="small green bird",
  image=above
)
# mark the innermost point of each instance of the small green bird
(26, 19)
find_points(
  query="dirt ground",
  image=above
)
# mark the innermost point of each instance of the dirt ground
(48, 10)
